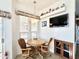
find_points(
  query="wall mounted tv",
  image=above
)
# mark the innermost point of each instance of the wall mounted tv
(59, 21)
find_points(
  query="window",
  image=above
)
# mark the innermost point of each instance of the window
(34, 28)
(24, 27)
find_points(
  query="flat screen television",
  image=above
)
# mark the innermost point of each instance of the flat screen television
(59, 21)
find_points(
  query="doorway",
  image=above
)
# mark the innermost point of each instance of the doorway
(5, 37)
(0, 37)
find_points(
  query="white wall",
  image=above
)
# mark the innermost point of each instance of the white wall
(6, 5)
(62, 33)
(15, 34)
(16, 31)
(66, 33)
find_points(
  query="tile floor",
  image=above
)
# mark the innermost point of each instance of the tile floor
(48, 56)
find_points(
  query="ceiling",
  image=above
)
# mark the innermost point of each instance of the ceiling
(28, 6)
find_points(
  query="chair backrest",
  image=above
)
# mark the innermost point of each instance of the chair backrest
(50, 41)
(22, 43)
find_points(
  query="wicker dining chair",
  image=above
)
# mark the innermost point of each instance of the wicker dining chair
(45, 46)
(25, 50)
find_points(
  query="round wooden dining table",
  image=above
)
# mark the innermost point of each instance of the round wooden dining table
(37, 42)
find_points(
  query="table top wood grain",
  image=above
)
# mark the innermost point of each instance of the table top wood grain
(37, 42)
